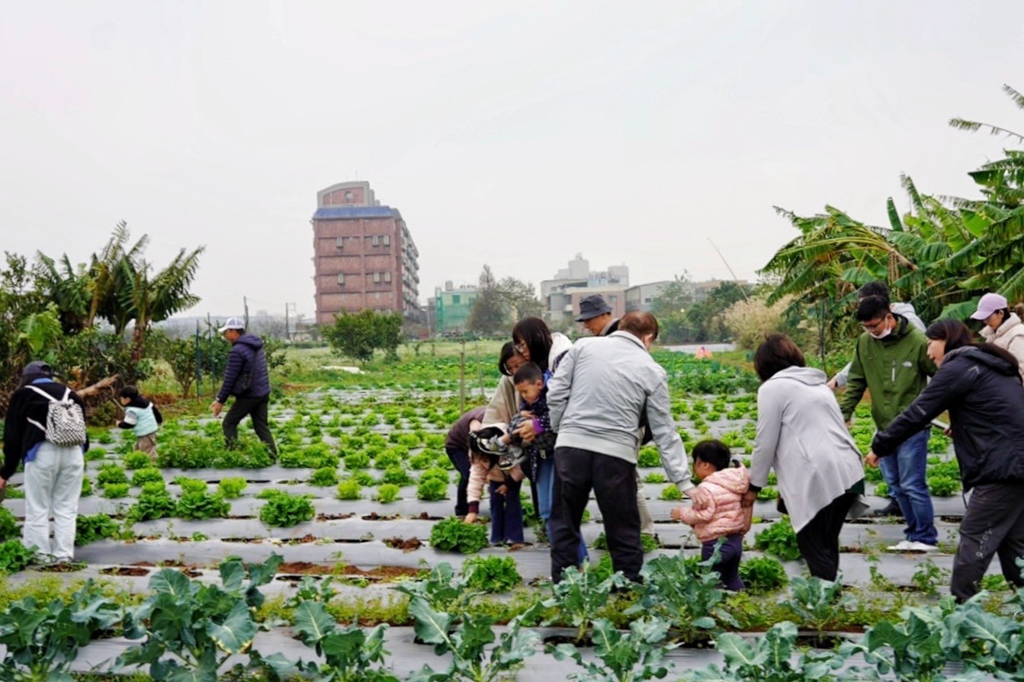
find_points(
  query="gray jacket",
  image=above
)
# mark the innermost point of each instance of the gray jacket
(597, 395)
(904, 309)
(801, 434)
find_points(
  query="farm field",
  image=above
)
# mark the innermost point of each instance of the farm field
(346, 545)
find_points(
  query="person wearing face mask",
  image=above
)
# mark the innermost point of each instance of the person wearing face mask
(891, 360)
(1002, 329)
(980, 386)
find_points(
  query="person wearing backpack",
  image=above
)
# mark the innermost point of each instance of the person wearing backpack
(247, 379)
(45, 427)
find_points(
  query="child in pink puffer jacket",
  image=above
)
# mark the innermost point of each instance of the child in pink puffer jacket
(724, 517)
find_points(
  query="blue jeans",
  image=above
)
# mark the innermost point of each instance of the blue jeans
(905, 473)
(545, 498)
(506, 513)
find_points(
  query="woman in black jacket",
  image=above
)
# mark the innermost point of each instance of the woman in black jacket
(980, 386)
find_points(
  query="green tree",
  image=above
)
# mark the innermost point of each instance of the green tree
(489, 314)
(520, 298)
(358, 335)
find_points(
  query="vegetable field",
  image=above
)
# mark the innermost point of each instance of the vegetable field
(340, 561)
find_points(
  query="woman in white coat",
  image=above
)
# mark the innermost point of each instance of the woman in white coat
(802, 436)
(1003, 328)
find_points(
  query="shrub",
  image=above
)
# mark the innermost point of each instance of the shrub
(453, 535)
(137, 460)
(147, 475)
(231, 488)
(763, 574)
(287, 510)
(349, 489)
(492, 574)
(324, 478)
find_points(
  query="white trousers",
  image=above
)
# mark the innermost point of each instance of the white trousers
(53, 484)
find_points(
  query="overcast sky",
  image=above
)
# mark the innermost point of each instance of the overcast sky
(514, 134)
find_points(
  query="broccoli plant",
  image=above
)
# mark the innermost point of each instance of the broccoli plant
(581, 595)
(42, 639)
(817, 602)
(638, 655)
(350, 653)
(468, 644)
(190, 629)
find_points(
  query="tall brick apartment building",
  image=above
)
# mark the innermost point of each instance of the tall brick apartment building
(364, 256)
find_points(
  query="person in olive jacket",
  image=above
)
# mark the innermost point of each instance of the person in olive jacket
(891, 361)
(980, 386)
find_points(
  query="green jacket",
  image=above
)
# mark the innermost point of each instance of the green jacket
(895, 369)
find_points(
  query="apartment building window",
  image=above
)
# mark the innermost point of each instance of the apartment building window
(387, 240)
(376, 277)
(376, 240)
(455, 299)
(339, 242)
(387, 276)
(341, 279)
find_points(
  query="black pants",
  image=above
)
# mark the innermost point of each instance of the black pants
(729, 558)
(992, 525)
(819, 540)
(613, 481)
(255, 408)
(460, 460)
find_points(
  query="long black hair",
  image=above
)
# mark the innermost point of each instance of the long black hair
(957, 335)
(533, 333)
(508, 351)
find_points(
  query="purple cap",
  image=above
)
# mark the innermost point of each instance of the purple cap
(989, 304)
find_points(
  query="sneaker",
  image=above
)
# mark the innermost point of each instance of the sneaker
(921, 547)
(901, 546)
(892, 509)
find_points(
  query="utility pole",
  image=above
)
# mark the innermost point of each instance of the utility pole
(245, 305)
(288, 307)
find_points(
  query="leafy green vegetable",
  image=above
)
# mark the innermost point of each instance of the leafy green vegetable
(287, 510)
(324, 477)
(763, 574)
(349, 489)
(453, 535)
(111, 473)
(14, 556)
(492, 574)
(431, 489)
(637, 655)
(137, 460)
(146, 475)
(92, 528)
(779, 540)
(8, 525)
(388, 492)
(231, 488)
(351, 653)
(115, 491)
(200, 505)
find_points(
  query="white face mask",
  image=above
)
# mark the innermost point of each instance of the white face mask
(881, 335)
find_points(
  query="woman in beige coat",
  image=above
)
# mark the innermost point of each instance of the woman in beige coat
(1002, 328)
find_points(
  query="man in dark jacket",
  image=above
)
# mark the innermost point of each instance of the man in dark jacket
(596, 316)
(246, 377)
(983, 393)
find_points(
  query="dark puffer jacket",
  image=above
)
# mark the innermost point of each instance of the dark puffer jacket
(985, 399)
(246, 375)
(20, 435)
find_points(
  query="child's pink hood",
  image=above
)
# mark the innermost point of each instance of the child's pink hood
(734, 479)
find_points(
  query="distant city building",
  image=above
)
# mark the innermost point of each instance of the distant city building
(364, 256)
(561, 296)
(452, 307)
(640, 297)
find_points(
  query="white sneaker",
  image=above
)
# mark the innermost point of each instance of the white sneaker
(901, 546)
(921, 547)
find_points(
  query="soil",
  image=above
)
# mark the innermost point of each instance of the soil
(250, 541)
(306, 539)
(191, 572)
(134, 571)
(555, 640)
(374, 516)
(825, 641)
(63, 567)
(333, 517)
(406, 545)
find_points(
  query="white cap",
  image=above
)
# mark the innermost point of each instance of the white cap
(989, 304)
(232, 323)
